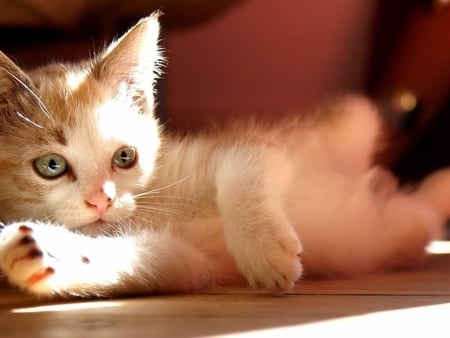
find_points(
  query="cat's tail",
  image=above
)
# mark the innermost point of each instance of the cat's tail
(435, 190)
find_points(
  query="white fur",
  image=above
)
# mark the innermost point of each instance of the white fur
(265, 204)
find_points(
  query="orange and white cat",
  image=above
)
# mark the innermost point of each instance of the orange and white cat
(98, 200)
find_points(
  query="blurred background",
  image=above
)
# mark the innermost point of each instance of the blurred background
(229, 58)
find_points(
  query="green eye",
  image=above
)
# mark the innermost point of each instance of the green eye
(124, 157)
(50, 166)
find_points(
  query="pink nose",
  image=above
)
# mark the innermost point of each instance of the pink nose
(100, 201)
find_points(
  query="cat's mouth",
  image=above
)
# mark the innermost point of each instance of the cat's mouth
(99, 226)
(97, 223)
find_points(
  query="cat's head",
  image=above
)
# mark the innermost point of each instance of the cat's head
(78, 141)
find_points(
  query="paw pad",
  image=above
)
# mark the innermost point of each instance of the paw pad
(38, 276)
(27, 240)
(35, 253)
(25, 229)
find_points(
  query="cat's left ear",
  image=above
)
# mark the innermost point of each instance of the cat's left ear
(133, 62)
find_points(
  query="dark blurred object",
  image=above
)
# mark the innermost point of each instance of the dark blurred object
(37, 32)
(78, 16)
(430, 152)
(417, 64)
(409, 67)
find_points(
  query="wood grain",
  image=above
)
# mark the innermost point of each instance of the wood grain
(410, 302)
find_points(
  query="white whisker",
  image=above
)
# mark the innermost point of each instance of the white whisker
(38, 99)
(155, 191)
(143, 197)
(163, 204)
(29, 120)
(158, 211)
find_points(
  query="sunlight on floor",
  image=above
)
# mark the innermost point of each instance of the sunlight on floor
(439, 247)
(67, 307)
(411, 322)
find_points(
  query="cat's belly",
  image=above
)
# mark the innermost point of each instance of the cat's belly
(207, 236)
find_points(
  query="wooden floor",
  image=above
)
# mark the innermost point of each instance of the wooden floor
(404, 304)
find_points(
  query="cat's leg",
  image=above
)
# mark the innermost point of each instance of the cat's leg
(401, 226)
(47, 260)
(251, 180)
(435, 190)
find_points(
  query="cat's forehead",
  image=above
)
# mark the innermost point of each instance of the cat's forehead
(63, 83)
(68, 95)
(61, 102)
(58, 77)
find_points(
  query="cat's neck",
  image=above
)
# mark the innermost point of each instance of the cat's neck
(185, 177)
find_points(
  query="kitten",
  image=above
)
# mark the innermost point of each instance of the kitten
(100, 201)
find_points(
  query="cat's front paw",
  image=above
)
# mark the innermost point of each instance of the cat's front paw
(26, 264)
(29, 260)
(271, 261)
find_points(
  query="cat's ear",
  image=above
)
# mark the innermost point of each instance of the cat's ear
(133, 62)
(12, 78)
(16, 88)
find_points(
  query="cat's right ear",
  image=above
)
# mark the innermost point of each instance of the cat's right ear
(133, 62)
(16, 87)
(12, 78)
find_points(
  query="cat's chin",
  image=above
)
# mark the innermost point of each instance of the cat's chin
(95, 228)
(97, 223)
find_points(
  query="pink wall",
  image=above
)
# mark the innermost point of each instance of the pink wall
(267, 56)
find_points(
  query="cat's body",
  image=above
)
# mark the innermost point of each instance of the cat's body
(115, 206)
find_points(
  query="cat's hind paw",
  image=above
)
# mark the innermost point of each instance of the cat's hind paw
(272, 263)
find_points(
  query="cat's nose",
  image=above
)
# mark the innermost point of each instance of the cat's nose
(100, 201)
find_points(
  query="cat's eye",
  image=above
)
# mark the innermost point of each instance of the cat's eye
(50, 166)
(124, 157)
